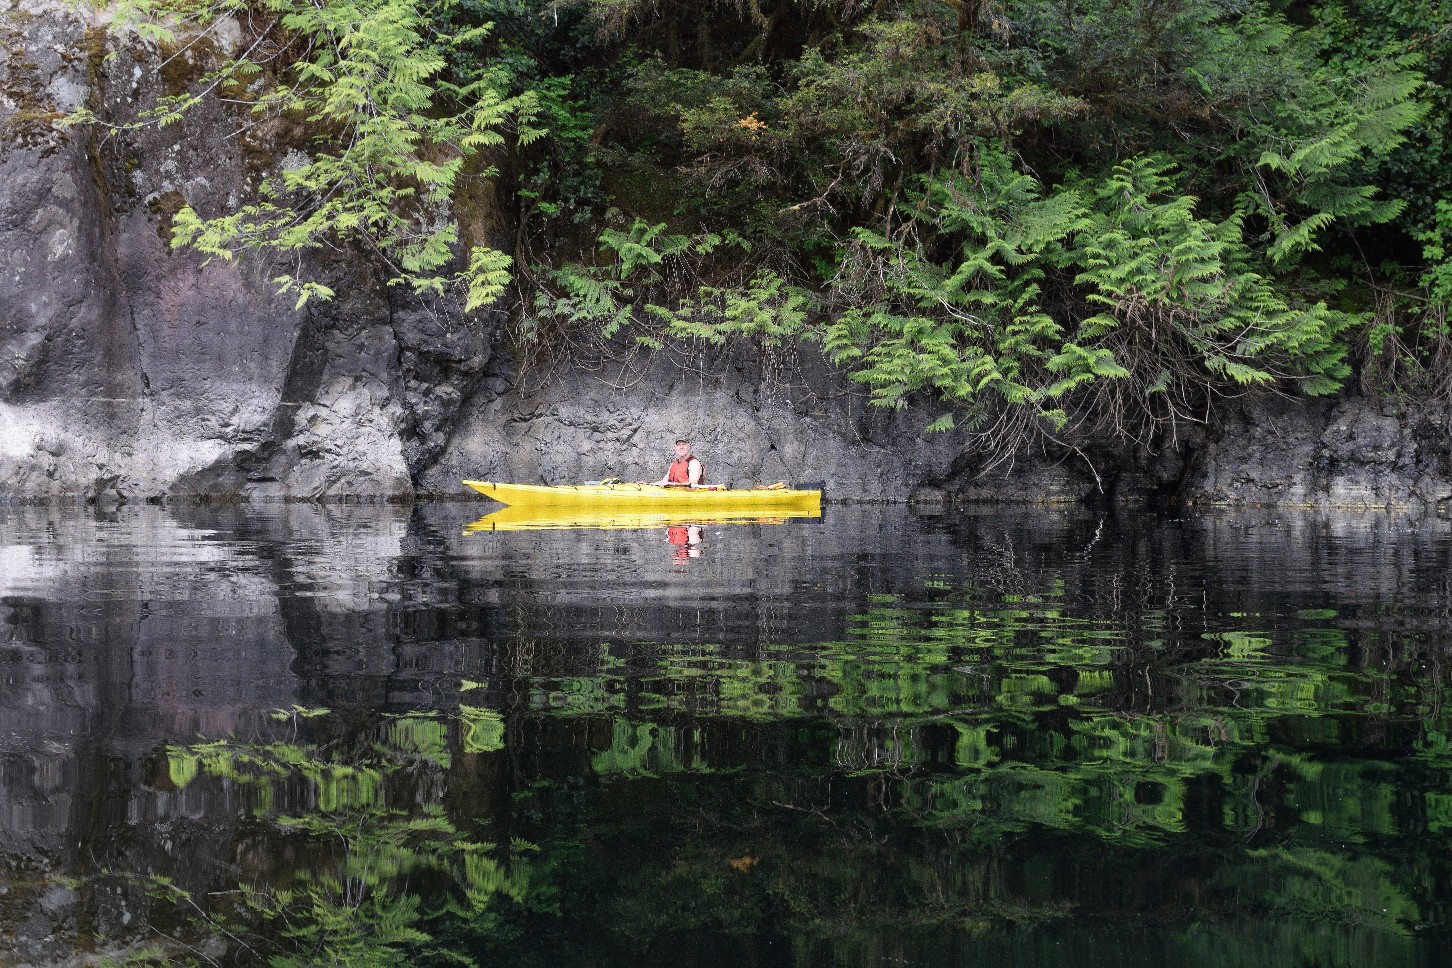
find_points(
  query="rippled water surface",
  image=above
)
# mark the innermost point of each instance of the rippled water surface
(290, 735)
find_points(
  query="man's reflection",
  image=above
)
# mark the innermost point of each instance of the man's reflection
(687, 541)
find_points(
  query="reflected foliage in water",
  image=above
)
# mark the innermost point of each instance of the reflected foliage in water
(285, 736)
(374, 867)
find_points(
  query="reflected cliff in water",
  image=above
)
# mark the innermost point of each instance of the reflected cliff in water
(374, 735)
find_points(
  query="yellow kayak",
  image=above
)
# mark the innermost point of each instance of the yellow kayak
(531, 517)
(701, 502)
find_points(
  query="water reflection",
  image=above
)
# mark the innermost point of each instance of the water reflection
(684, 531)
(282, 734)
(687, 540)
(537, 518)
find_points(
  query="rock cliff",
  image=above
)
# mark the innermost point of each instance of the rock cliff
(1352, 453)
(129, 371)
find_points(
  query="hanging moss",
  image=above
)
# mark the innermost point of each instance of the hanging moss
(164, 207)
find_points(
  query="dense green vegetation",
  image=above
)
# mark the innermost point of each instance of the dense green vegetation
(1084, 216)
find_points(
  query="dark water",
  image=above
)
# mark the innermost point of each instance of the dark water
(300, 736)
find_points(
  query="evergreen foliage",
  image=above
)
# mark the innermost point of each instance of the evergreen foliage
(1096, 217)
(401, 110)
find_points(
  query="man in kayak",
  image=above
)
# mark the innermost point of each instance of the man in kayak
(685, 470)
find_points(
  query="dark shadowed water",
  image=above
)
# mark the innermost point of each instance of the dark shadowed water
(296, 736)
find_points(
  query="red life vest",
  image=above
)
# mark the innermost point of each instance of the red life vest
(680, 472)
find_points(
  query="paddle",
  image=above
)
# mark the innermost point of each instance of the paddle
(672, 484)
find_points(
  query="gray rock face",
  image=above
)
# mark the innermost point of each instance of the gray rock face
(129, 371)
(1354, 453)
(124, 366)
(133, 371)
(751, 420)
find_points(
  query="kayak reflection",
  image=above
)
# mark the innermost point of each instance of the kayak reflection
(520, 517)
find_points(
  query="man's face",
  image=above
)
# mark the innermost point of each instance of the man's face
(683, 450)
